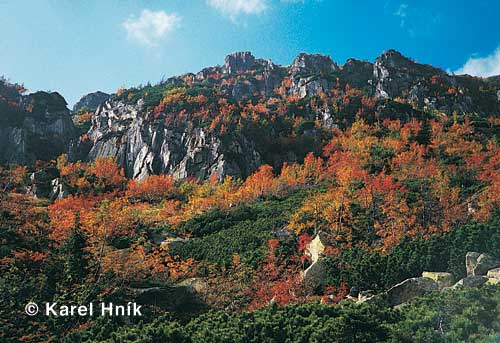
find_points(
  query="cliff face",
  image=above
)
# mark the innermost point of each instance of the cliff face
(144, 147)
(33, 127)
(138, 131)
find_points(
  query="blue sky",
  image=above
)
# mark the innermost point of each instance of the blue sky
(76, 47)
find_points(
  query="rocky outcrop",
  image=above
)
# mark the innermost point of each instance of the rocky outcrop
(309, 86)
(442, 279)
(409, 289)
(172, 243)
(494, 273)
(357, 74)
(196, 286)
(58, 190)
(395, 73)
(314, 276)
(91, 101)
(239, 61)
(313, 64)
(142, 144)
(41, 182)
(470, 282)
(41, 129)
(479, 264)
(360, 297)
(144, 147)
(178, 298)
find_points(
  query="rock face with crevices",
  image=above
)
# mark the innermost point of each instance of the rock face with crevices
(33, 127)
(144, 147)
(138, 134)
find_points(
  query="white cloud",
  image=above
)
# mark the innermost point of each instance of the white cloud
(482, 66)
(234, 8)
(151, 26)
(402, 13)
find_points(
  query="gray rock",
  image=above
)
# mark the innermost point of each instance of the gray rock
(309, 64)
(409, 289)
(144, 147)
(194, 285)
(443, 279)
(91, 101)
(239, 61)
(309, 86)
(354, 292)
(44, 184)
(470, 282)
(179, 298)
(42, 130)
(395, 73)
(479, 264)
(172, 242)
(59, 190)
(314, 277)
(357, 74)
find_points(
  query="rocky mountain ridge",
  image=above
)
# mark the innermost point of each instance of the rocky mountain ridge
(122, 127)
(175, 127)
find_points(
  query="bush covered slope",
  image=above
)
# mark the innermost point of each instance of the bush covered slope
(382, 183)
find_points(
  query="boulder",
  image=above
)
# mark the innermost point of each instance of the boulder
(171, 242)
(409, 289)
(168, 297)
(157, 238)
(45, 184)
(470, 282)
(366, 296)
(194, 285)
(316, 247)
(494, 273)
(443, 279)
(354, 292)
(479, 264)
(59, 190)
(493, 281)
(315, 276)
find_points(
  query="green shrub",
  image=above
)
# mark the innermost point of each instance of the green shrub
(365, 270)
